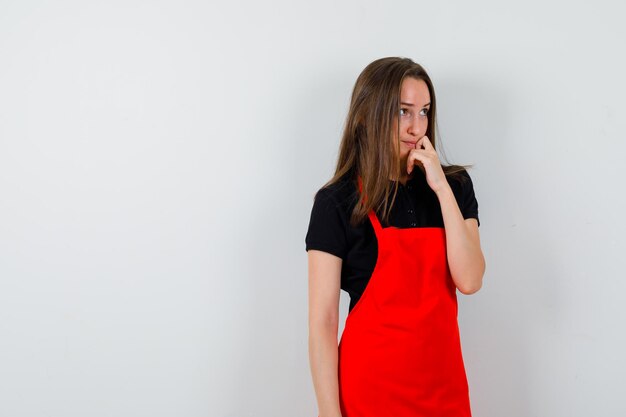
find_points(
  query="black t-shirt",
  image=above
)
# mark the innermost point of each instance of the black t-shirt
(416, 205)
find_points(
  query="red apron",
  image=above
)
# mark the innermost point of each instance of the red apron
(400, 351)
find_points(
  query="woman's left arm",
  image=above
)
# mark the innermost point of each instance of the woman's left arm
(465, 257)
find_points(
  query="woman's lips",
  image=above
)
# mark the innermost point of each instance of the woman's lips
(410, 144)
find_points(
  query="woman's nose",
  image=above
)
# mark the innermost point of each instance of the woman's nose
(417, 126)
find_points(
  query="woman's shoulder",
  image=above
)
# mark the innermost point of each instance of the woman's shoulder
(342, 192)
(460, 178)
(463, 189)
(329, 229)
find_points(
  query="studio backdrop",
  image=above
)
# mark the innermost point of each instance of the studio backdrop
(158, 161)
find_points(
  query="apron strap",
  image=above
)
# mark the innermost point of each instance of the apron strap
(372, 215)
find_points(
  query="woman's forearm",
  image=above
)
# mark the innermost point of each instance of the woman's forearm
(323, 359)
(465, 257)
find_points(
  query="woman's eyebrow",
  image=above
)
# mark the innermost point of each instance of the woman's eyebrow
(411, 104)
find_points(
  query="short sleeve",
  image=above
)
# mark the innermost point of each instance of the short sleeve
(327, 227)
(469, 203)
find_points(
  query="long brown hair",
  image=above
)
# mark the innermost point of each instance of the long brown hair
(367, 149)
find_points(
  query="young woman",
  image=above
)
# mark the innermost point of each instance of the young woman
(398, 231)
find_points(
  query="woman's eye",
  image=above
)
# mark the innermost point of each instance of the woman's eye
(425, 111)
(403, 112)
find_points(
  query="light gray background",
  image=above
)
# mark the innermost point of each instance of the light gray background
(158, 161)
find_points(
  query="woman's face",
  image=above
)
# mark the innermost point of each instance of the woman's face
(413, 116)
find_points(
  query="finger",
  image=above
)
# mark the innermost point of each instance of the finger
(414, 158)
(425, 141)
